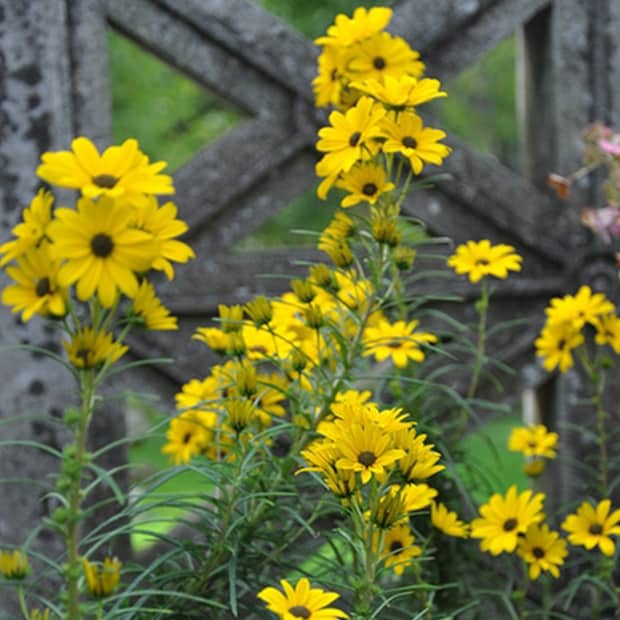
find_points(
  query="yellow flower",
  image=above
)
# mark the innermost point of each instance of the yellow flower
(366, 449)
(407, 135)
(328, 83)
(119, 171)
(102, 580)
(348, 30)
(504, 518)
(543, 550)
(32, 229)
(420, 460)
(592, 526)
(148, 306)
(479, 259)
(555, 344)
(398, 548)
(365, 183)
(533, 441)
(584, 307)
(534, 467)
(301, 602)
(416, 496)
(381, 55)
(447, 521)
(102, 252)
(36, 290)
(189, 434)
(14, 564)
(608, 331)
(259, 310)
(162, 223)
(347, 140)
(89, 348)
(197, 394)
(399, 341)
(214, 338)
(402, 92)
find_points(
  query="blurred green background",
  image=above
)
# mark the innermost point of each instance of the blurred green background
(173, 117)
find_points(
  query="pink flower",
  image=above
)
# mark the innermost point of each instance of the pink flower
(605, 222)
(612, 146)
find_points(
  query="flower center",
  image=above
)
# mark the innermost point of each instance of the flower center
(84, 355)
(396, 546)
(410, 142)
(299, 611)
(394, 343)
(369, 189)
(107, 181)
(596, 529)
(482, 262)
(187, 438)
(538, 553)
(355, 138)
(509, 525)
(43, 287)
(378, 62)
(366, 458)
(101, 245)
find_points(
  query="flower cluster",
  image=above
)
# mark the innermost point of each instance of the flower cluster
(567, 319)
(103, 248)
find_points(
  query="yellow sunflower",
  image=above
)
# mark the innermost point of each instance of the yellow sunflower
(592, 526)
(301, 602)
(197, 394)
(364, 23)
(328, 83)
(89, 348)
(119, 171)
(364, 183)
(162, 223)
(543, 550)
(447, 521)
(479, 259)
(102, 251)
(407, 135)
(420, 460)
(533, 440)
(608, 331)
(398, 549)
(399, 341)
(32, 229)
(503, 519)
(556, 343)
(189, 434)
(381, 55)
(149, 308)
(36, 289)
(400, 93)
(101, 580)
(14, 564)
(579, 309)
(367, 450)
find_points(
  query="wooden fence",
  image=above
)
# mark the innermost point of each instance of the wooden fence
(54, 85)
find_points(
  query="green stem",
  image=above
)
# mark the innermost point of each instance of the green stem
(602, 434)
(22, 603)
(482, 306)
(74, 496)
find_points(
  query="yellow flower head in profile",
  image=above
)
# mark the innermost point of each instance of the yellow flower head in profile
(301, 602)
(102, 580)
(592, 526)
(504, 518)
(163, 224)
(367, 450)
(90, 348)
(608, 331)
(120, 171)
(420, 460)
(398, 548)
(14, 564)
(579, 309)
(36, 289)
(398, 341)
(556, 343)
(189, 434)
(102, 251)
(32, 229)
(328, 83)
(149, 308)
(533, 441)
(365, 182)
(403, 92)
(383, 55)
(364, 23)
(447, 521)
(479, 259)
(543, 550)
(407, 135)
